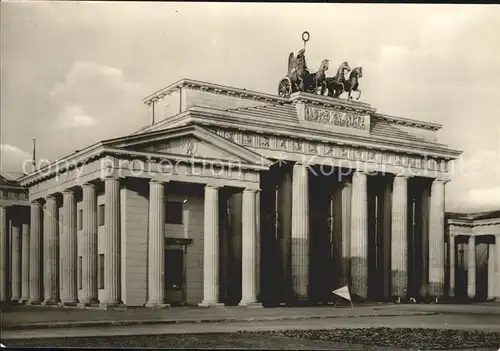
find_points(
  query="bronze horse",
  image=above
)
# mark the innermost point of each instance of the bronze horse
(336, 85)
(302, 79)
(353, 83)
(318, 79)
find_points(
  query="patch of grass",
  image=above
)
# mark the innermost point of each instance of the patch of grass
(369, 338)
(401, 337)
(178, 341)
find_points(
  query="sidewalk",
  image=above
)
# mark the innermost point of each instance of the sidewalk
(482, 308)
(29, 317)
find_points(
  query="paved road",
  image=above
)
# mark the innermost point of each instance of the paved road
(456, 321)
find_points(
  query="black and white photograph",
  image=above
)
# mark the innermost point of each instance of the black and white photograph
(218, 175)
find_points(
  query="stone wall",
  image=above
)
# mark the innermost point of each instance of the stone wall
(134, 246)
(192, 228)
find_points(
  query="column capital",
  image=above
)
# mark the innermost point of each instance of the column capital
(68, 191)
(440, 180)
(88, 185)
(212, 186)
(402, 176)
(51, 197)
(360, 172)
(251, 190)
(159, 182)
(111, 177)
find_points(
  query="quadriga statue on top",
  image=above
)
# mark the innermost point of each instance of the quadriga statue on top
(299, 78)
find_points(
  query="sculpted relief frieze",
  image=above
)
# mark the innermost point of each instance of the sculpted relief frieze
(346, 119)
(247, 139)
(264, 141)
(280, 143)
(313, 148)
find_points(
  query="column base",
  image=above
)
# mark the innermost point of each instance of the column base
(94, 303)
(158, 305)
(68, 303)
(211, 304)
(15, 299)
(33, 302)
(250, 304)
(50, 303)
(106, 305)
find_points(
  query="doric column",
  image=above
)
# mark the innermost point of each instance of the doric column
(89, 235)
(111, 242)
(4, 254)
(436, 239)
(211, 248)
(359, 234)
(25, 257)
(257, 238)
(346, 232)
(300, 231)
(249, 250)
(471, 267)
(35, 253)
(451, 292)
(399, 242)
(497, 267)
(16, 263)
(50, 252)
(156, 245)
(491, 271)
(69, 250)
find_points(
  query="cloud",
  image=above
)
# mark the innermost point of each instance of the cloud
(475, 184)
(94, 94)
(12, 158)
(488, 198)
(75, 117)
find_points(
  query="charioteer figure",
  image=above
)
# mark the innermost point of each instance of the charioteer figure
(299, 78)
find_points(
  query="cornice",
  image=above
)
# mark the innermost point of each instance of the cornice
(408, 122)
(461, 222)
(11, 187)
(159, 124)
(471, 223)
(64, 164)
(486, 222)
(179, 157)
(214, 88)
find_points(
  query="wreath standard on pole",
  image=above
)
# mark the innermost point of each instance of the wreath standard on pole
(305, 37)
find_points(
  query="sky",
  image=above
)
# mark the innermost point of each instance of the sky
(73, 73)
